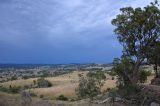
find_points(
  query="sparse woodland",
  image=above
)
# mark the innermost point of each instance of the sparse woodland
(138, 31)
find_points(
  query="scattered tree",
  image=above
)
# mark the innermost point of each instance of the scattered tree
(90, 85)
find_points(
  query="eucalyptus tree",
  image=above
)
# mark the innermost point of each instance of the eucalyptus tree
(154, 58)
(137, 29)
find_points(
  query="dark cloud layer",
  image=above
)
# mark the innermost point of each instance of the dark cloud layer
(59, 31)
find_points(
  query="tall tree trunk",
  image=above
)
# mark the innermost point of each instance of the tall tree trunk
(156, 70)
(135, 76)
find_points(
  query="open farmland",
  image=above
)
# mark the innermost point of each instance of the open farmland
(63, 84)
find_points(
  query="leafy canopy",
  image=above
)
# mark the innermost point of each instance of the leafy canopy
(138, 29)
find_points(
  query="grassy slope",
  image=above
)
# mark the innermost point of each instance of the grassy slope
(64, 84)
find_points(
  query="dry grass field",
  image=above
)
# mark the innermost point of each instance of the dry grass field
(64, 84)
(16, 100)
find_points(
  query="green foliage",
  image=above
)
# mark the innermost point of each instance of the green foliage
(111, 73)
(45, 73)
(90, 86)
(42, 83)
(130, 90)
(113, 78)
(72, 100)
(87, 88)
(108, 89)
(61, 72)
(14, 89)
(143, 76)
(41, 96)
(113, 94)
(154, 57)
(26, 87)
(4, 89)
(134, 27)
(33, 94)
(13, 78)
(138, 30)
(124, 70)
(34, 82)
(62, 97)
(98, 75)
(25, 77)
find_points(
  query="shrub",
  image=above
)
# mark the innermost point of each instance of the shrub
(143, 76)
(113, 94)
(26, 87)
(90, 86)
(14, 89)
(128, 91)
(33, 94)
(4, 89)
(72, 100)
(34, 82)
(108, 89)
(62, 97)
(41, 96)
(113, 78)
(42, 83)
(13, 78)
(25, 77)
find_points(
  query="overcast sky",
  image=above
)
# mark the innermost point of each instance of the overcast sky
(60, 31)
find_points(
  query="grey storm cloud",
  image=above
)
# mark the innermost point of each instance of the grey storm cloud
(59, 24)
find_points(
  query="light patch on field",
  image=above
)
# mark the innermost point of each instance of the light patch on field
(20, 82)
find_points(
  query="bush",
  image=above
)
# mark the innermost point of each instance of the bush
(26, 86)
(14, 89)
(72, 100)
(4, 89)
(113, 94)
(128, 91)
(13, 78)
(41, 96)
(143, 76)
(42, 83)
(33, 94)
(62, 97)
(113, 78)
(111, 72)
(90, 86)
(25, 77)
(108, 89)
